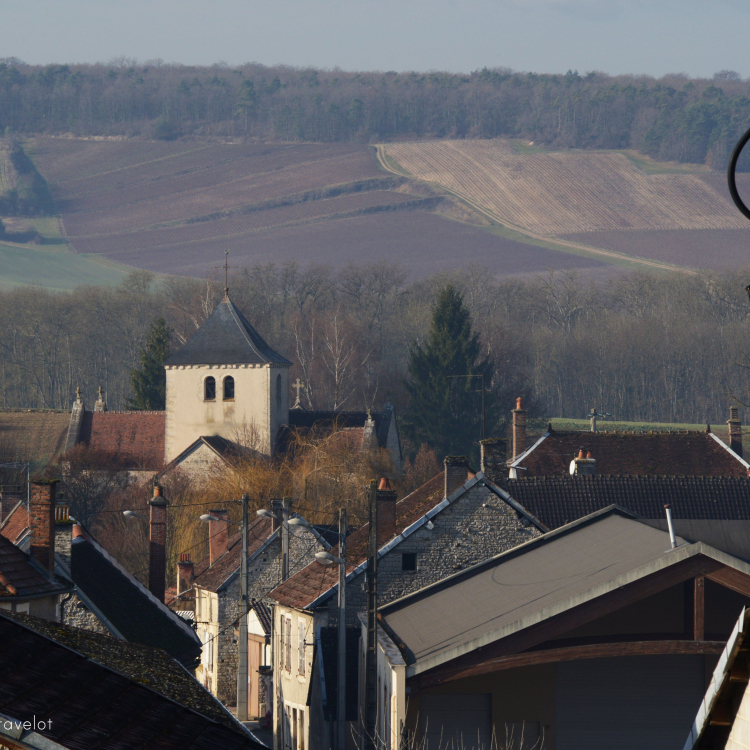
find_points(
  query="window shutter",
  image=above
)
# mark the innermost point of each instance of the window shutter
(301, 626)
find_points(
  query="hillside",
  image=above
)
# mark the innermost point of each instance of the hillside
(593, 199)
(175, 207)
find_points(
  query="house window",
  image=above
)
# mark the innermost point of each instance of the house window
(278, 392)
(301, 734)
(409, 561)
(288, 645)
(282, 631)
(228, 388)
(209, 389)
(301, 646)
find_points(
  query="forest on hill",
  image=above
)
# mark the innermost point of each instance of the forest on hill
(674, 118)
(642, 347)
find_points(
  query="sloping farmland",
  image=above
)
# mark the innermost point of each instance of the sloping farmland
(175, 207)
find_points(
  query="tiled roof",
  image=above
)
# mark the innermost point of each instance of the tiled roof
(131, 609)
(676, 453)
(563, 499)
(97, 691)
(351, 425)
(19, 578)
(135, 437)
(33, 435)
(226, 338)
(214, 577)
(15, 525)
(305, 587)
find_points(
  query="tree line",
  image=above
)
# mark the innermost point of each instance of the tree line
(671, 118)
(642, 347)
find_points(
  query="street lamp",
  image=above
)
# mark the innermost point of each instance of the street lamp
(131, 514)
(209, 517)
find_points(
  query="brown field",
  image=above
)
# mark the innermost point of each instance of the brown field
(561, 193)
(695, 248)
(175, 207)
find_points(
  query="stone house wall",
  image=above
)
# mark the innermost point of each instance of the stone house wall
(74, 612)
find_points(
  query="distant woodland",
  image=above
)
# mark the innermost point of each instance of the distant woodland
(641, 347)
(672, 118)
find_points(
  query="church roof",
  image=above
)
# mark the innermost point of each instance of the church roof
(226, 338)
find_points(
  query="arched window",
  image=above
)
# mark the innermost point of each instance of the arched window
(278, 392)
(209, 389)
(228, 388)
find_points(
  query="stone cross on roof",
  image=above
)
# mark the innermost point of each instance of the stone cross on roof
(298, 387)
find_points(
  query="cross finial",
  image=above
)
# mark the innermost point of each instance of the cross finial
(298, 387)
(78, 393)
(226, 268)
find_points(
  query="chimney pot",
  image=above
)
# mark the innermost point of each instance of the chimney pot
(77, 531)
(584, 464)
(456, 473)
(185, 573)
(218, 532)
(519, 428)
(386, 500)
(42, 521)
(157, 561)
(494, 456)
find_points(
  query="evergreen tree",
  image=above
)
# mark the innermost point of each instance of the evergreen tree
(149, 383)
(445, 409)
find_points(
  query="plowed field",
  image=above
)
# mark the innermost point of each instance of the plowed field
(568, 192)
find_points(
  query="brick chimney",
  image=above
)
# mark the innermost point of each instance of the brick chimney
(386, 499)
(42, 518)
(735, 430)
(218, 532)
(185, 573)
(494, 457)
(519, 428)
(456, 473)
(276, 506)
(584, 464)
(157, 559)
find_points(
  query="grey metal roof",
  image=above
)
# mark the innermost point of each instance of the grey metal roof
(226, 338)
(730, 536)
(533, 582)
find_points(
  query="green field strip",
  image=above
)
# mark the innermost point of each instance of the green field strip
(561, 423)
(30, 265)
(520, 234)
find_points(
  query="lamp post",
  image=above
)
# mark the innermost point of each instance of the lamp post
(326, 558)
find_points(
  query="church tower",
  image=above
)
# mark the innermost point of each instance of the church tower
(228, 382)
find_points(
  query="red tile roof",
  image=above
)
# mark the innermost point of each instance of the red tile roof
(135, 437)
(686, 453)
(16, 524)
(302, 589)
(19, 578)
(33, 435)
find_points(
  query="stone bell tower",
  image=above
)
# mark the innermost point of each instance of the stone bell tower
(226, 381)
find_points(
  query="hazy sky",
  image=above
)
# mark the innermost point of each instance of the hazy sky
(698, 37)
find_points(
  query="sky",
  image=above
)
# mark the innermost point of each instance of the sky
(656, 37)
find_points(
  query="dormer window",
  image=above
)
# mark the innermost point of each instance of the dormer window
(228, 388)
(209, 389)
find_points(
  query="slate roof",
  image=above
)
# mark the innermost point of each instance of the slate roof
(16, 523)
(136, 438)
(693, 453)
(524, 586)
(20, 579)
(98, 691)
(34, 435)
(302, 589)
(557, 500)
(130, 608)
(226, 338)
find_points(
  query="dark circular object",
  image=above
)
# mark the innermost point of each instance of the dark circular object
(744, 210)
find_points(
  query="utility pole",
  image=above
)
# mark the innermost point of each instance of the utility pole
(242, 667)
(341, 691)
(285, 508)
(371, 655)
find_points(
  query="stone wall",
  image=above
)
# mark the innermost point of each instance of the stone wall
(74, 612)
(473, 528)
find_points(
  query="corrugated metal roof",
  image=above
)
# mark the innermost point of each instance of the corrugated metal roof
(525, 585)
(226, 338)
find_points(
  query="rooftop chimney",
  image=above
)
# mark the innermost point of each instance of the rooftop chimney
(386, 499)
(276, 506)
(735, 431)
(157, 560)
(456, 473)
(584, 464)
(218, 532)
(519, 428)
(185, 573)
(42, 507)
(494, 456)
